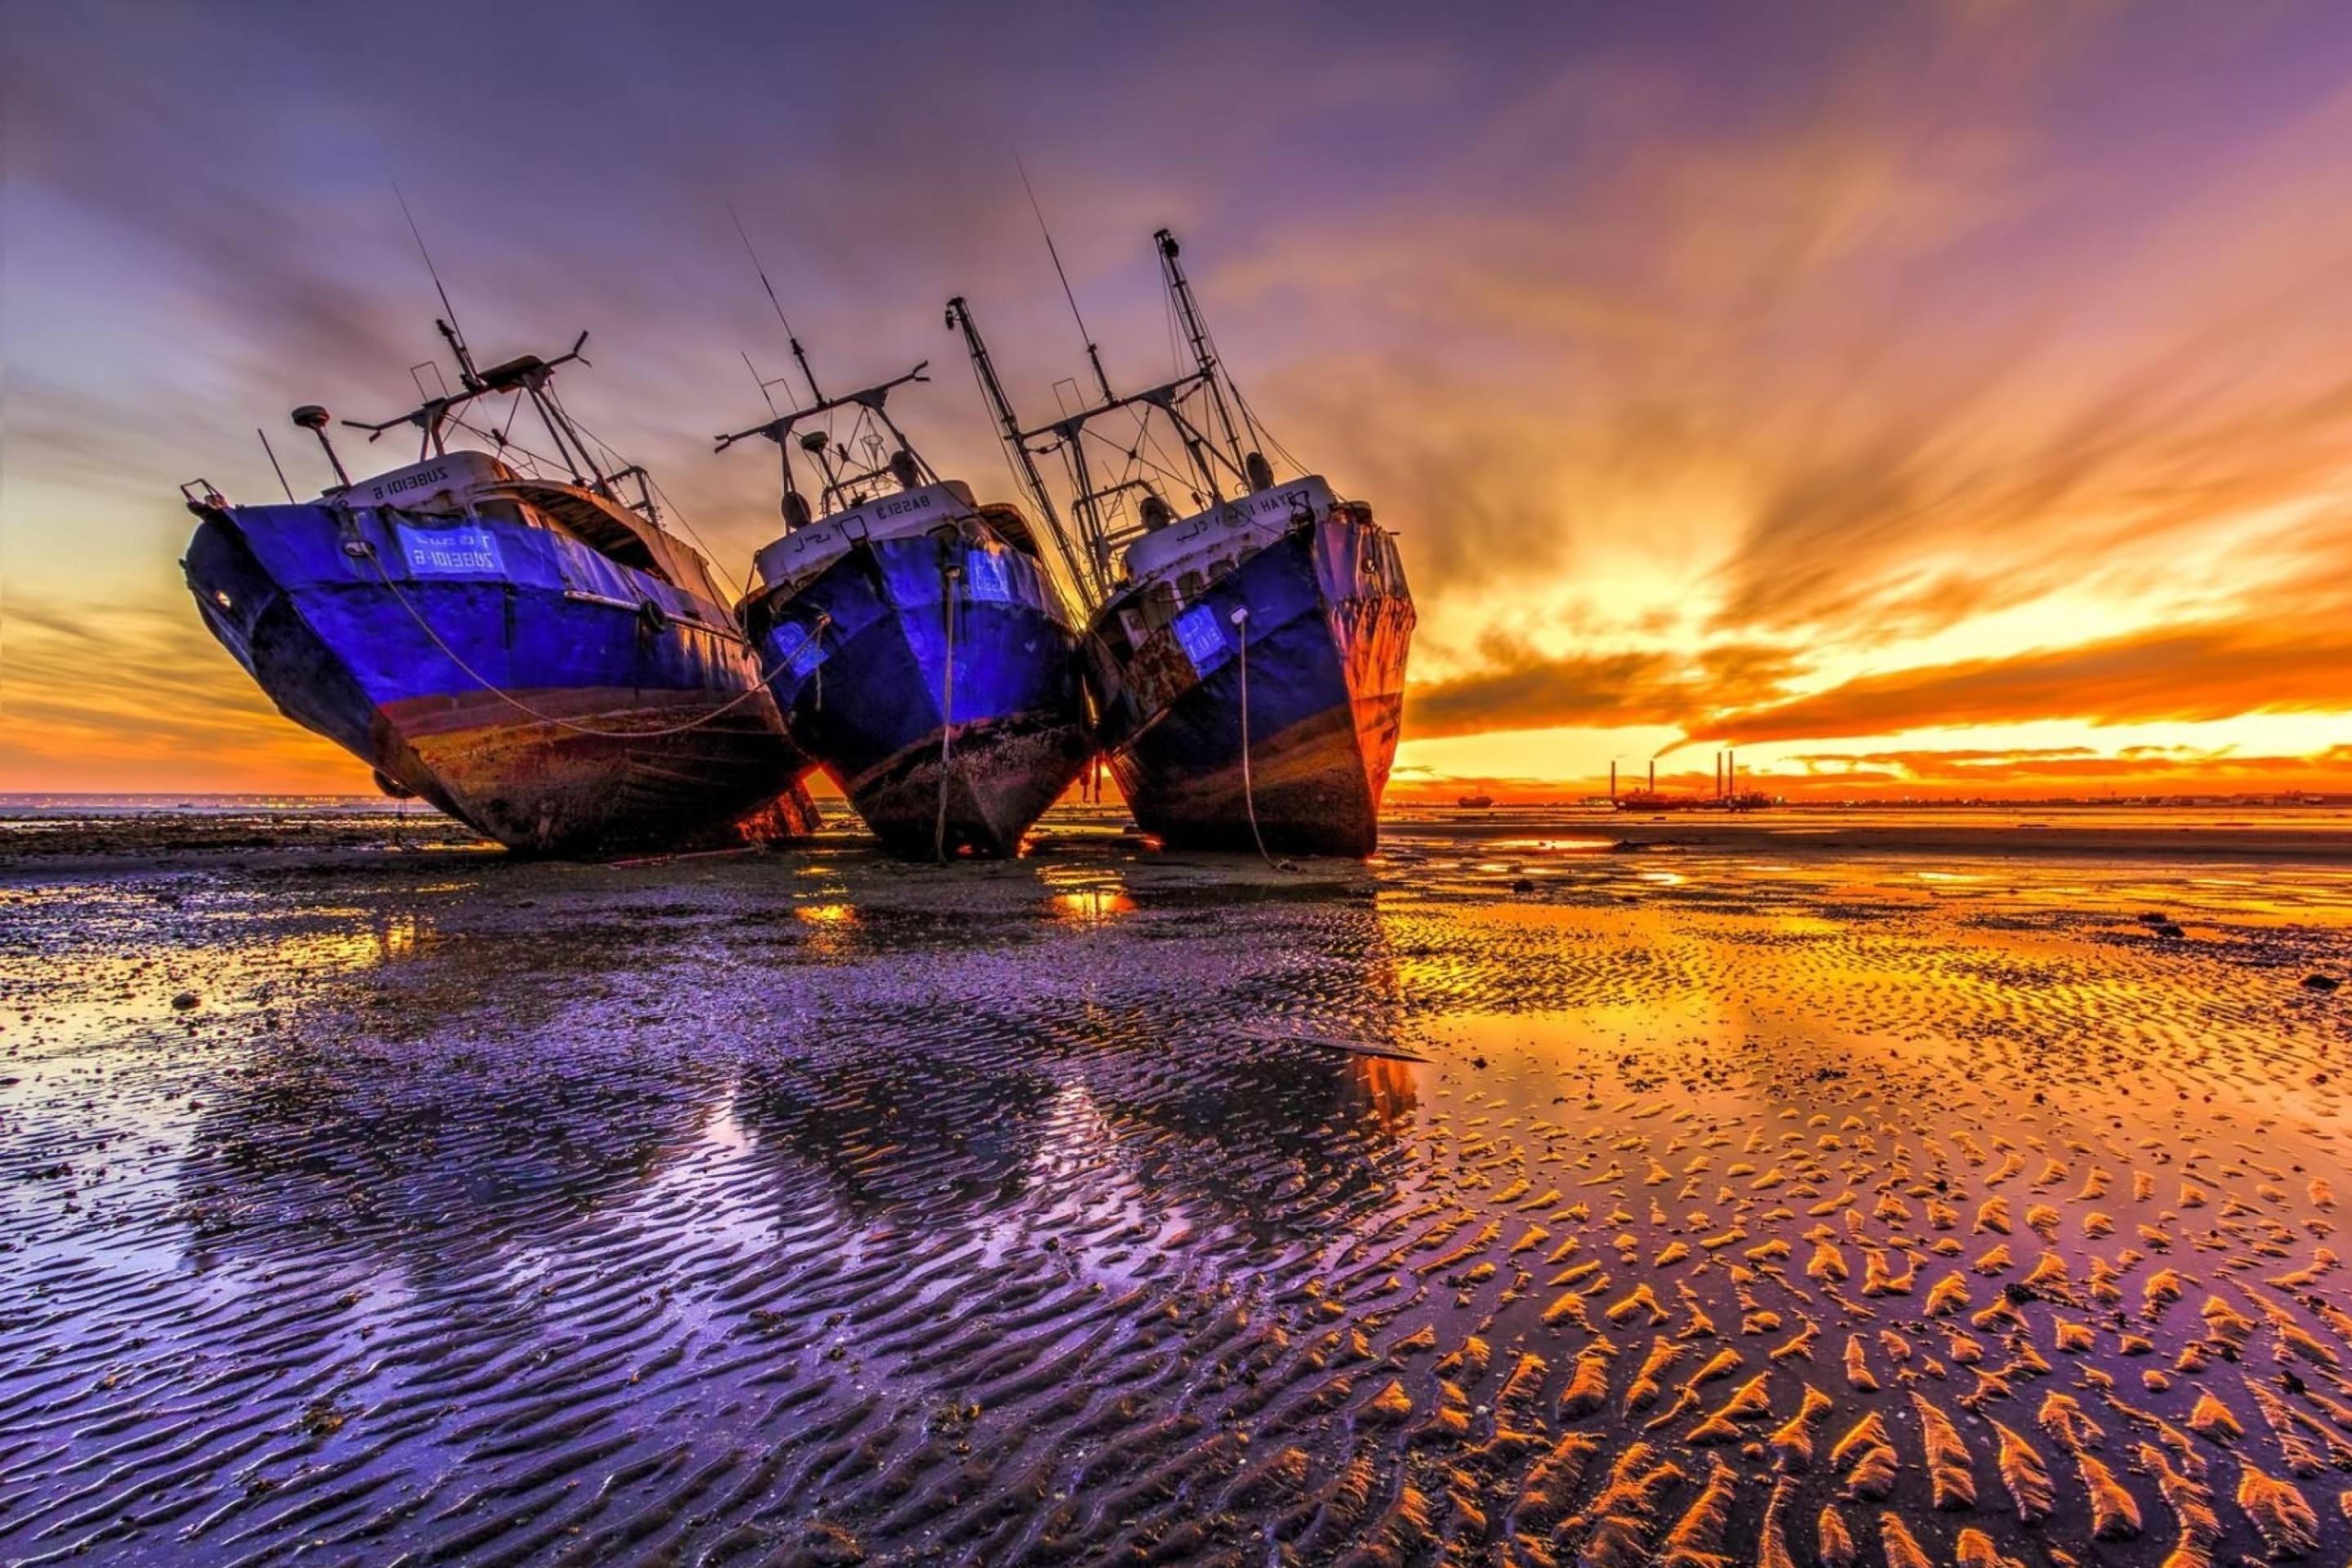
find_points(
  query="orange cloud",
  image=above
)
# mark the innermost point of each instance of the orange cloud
(1523, 691)
(2198, 673)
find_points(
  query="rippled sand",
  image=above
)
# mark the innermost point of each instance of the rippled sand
(1750, 1202)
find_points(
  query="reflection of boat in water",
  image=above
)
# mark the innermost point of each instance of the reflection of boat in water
(536, 657)
(907, 1129)
(892, 1128)
(1247, 658)
(915, 641)
(356, 1154)
(1146, 1082)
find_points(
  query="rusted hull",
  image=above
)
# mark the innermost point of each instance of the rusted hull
(1329, 623)
(935, 681)
(639, 734)
(543, 787)
(999, 779)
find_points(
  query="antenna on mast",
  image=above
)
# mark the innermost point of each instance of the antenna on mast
(1094, 354)
(448, 323)
(790, 336)
(313, 418)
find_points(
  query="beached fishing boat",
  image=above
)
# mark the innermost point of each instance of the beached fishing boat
(536, 656)
(1247, 660)
(913, 638)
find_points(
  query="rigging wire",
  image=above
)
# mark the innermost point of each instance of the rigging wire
(1258, 427)
(272, 454)
(534, 460)
(1176, 474)
(678, 511)
(1134, 458)
(1078, 590)
(1249, 795)
(764, 394)
(953, 576)
(620, 462)
(1052, 250)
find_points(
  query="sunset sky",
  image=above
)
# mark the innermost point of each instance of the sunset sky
(1923, 398)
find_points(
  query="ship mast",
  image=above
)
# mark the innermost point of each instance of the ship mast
(992, 389)
(1180, 290)
(1097, 540)
(1104, 539)
(840, 484)
(527, 374)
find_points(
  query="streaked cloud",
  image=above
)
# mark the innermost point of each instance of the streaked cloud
(2191, 674)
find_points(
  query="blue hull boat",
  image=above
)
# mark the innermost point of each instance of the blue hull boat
(1261, 706)
(914, 640)
(1247, 662)
(934, 676)
(532, 657)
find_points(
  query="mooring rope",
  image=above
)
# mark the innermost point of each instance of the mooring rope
(952, 575)
(1249, 799)
(519, 706)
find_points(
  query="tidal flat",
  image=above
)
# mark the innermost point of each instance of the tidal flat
(1554, 1189)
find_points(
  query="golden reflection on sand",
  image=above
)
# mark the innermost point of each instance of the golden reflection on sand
(1084, 895)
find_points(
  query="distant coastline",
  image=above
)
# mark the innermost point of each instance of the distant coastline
(69, 803)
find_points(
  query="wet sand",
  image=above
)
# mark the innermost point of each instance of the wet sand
(1910, 1193)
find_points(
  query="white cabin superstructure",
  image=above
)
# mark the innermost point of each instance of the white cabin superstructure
(463, 481)
(1211, 543)
(805, 550)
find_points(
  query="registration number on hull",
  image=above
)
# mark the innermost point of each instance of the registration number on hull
(451, 552)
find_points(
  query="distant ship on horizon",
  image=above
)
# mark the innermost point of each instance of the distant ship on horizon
(1728, 796)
